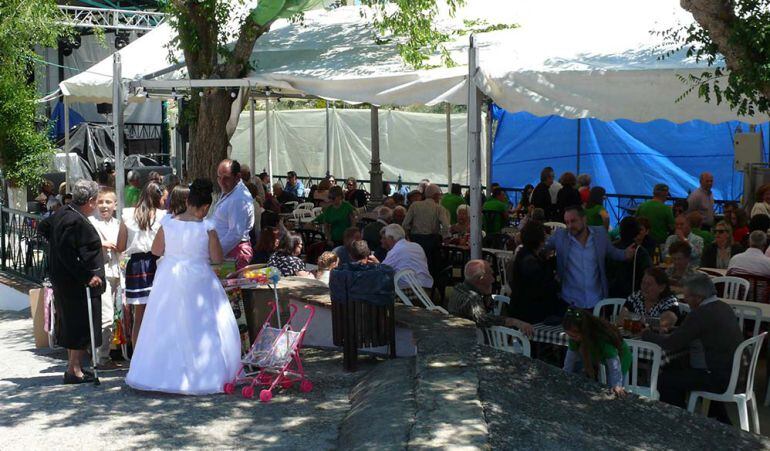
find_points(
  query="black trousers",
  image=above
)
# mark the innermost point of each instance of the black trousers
(676, 383)
(431, 244)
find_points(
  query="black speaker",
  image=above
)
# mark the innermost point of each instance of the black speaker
(104, 108)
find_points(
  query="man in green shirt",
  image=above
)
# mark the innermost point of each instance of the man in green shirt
(499, 204)
(658, 213)
(696, 224)
(337, 217)
(451, 201)
(133, 190)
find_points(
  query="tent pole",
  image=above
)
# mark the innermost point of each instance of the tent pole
(117, 129)
(578, 147)
(448, 146)
(375, 175)
(269, 147)
(328, 142)
(488, 138)
(474, 150)
(252, 139)
(67, 169)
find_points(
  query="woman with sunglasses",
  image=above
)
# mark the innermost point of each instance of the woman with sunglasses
(718, 253)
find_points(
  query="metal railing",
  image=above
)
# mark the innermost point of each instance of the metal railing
(22, 251)
(110, 19)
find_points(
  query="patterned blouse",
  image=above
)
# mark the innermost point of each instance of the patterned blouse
(289, 265)
(635, 304)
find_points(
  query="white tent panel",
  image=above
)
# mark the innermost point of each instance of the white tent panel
(299, 144)
(574, 59)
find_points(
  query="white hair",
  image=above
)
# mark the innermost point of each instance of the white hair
(384, 213)
(758, 239)
(432, 190)
(474, 269)
(462, 207)
(83, 191)
(394, 231)
(700, 285)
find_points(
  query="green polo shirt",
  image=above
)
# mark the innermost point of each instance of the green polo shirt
(131, 196)
(661, 219)
(338, 218)
(451, 202)
(494, 205)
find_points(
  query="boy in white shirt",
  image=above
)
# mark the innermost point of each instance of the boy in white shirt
(107, 226)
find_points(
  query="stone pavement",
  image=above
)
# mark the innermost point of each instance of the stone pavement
(36, 412)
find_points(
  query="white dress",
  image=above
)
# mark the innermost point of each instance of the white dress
(189, 341)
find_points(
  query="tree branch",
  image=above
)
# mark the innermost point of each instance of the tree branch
(238, 64)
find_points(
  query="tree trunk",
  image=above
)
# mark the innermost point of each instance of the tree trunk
(208, 143)
(718, 18)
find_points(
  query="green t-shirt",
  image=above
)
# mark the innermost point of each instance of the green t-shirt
(338, 218)
(451, 202)
(494, 205)
(661, 219)
(594, 215)
(607, 351)
(131, 196)
(707, 236)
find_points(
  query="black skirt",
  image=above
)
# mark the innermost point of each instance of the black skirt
(71, 321)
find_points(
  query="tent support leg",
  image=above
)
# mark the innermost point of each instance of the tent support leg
(67, 168)
(375, 187)
(474, 150)
(578, 147)
(448, 146)
(252, 139)
(269, 147)
(117, 129)
(488, 142)
(328, 142)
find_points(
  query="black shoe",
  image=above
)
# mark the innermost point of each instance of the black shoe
(72, 379)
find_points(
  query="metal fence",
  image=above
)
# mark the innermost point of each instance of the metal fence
(22, 251)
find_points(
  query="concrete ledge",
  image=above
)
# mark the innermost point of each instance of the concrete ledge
(470, 396)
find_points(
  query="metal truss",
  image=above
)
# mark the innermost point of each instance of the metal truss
(111, 19)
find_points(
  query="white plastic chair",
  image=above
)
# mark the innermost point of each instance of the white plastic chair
(317, 211)
(735, 287)
(616, 303)
(731, 395)
(499, 301)
(508, 340)
(408, 276)
(302, 216)
(555, 225)
(748, 313)
(631, 382)
(503, 261)
(292, 204)
(305, 206)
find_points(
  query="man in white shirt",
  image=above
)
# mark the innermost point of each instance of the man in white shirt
(403, 254)
(683, 232)
(702, 199)
(753, 261)
(234, 214)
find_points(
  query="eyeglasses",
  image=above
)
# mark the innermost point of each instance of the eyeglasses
(720, 231)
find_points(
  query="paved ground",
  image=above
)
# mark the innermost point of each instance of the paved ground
(36, 412)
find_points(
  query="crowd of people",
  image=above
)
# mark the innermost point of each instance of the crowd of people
(558, 272)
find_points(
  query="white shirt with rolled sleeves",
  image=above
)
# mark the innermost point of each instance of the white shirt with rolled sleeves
(234, 217)
(408, 255)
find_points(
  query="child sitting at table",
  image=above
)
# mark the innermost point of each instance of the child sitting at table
(326, 262)
(593, 341)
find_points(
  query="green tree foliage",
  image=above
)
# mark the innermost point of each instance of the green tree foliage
(24, 151)
(733, 37)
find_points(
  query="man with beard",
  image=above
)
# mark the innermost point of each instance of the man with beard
(581, 253)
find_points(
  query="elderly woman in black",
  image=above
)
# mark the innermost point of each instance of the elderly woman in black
(75, 261)
(532, 277)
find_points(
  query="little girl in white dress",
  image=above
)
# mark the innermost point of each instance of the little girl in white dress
(189, 341)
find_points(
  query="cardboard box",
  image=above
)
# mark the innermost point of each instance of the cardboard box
(37, 310)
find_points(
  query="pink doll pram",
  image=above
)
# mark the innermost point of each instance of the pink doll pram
(273, 360)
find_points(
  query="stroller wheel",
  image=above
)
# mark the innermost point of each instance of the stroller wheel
(265, 395)
(305, 386)
(248, 392)
(229, 388)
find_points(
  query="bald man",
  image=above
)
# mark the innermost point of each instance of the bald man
(702, 199)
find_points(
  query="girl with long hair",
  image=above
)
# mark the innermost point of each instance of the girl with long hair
(594, 341)
(137, 232)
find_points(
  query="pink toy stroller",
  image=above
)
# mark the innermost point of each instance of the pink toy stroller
(273, 359)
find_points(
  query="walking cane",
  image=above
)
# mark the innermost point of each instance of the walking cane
(91, 329)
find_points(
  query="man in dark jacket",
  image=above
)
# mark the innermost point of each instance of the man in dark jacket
(541, 196)
(711, 332)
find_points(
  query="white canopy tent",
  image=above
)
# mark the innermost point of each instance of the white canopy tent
(573, 59)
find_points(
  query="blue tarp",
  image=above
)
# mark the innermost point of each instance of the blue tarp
(57, 121)
(622, 156)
